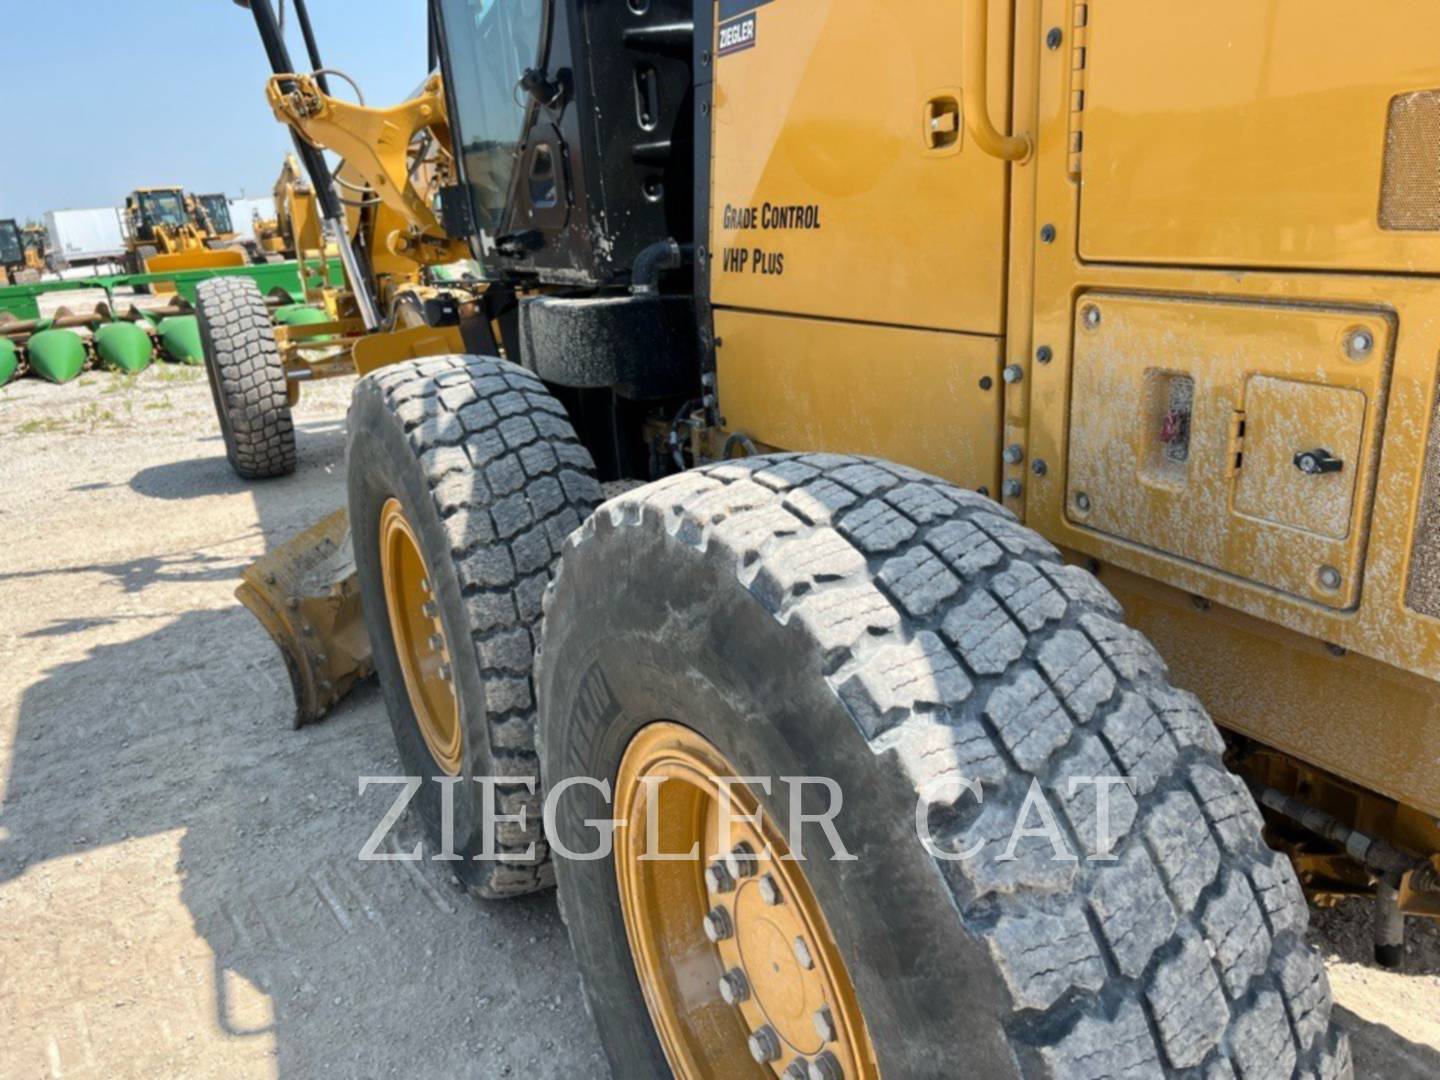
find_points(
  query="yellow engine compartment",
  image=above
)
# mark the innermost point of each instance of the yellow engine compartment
(1221, 227)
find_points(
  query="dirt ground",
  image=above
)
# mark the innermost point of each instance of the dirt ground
(179, 888)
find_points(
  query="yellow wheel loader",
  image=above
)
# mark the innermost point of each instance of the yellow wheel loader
(163, 232)
(1019, 571)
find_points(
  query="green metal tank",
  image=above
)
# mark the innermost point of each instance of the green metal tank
(180, 338)
(9, 360)
(57, 355)
(123, 346)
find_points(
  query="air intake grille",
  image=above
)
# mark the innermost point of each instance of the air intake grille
(1410, 187)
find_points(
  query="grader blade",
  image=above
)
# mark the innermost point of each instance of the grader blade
(307, 597)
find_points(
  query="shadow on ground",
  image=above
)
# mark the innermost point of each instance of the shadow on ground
(269, 946)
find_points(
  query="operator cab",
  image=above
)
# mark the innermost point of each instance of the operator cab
(154, 208)
(215, 210)
(12, 247)
(573, 133)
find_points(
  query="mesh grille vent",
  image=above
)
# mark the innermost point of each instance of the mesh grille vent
(1410, 186)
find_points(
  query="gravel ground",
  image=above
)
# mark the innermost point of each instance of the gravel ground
(179, 887)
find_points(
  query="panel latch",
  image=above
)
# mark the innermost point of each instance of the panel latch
(1316, 462)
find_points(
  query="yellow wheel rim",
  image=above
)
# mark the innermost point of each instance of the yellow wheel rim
(420, 639)
(736, 960)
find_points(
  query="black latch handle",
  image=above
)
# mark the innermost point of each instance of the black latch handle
(1316, 462)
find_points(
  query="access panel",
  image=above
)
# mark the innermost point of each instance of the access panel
(844, 185)
(1279, 133)
(1240, 436)
(922, 398)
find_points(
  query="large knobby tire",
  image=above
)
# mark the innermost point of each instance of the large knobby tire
(247, 378)
(488, 472)
(835, 616)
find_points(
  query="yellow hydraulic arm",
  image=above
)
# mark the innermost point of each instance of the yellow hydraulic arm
(376, 147)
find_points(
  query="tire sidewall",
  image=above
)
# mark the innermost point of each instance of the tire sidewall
(644, 627)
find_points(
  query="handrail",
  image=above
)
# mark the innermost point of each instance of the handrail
(976, 89)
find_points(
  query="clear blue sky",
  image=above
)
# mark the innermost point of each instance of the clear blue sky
(103, 96)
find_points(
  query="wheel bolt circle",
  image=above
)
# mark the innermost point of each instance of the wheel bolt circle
(740, 861)
(770, 891)
(824, 1023)
(802, 954)
(734, 987)
(718, 925)
(718, 879)
(764, 1044)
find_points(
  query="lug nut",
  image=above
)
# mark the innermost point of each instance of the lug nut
(1013, 373)
(718, 925)
(824, 1024)
(425, 585)
(718, 879)
(1038, 467)
(734, 987)
(802, 954)
(826, 1067)
(1013, 489)
(740, 862)
(1329, 577)
(444, 672)
(770, 891)
(430, 609)
(1090, 316)
(1013, 454)
(437, 642)
(1082, 502)
(799, 1069)
(764, 1045)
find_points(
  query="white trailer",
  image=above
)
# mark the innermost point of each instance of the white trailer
(244, 211)
(81, 237)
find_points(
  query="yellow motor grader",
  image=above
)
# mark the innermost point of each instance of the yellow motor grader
(1020, 421)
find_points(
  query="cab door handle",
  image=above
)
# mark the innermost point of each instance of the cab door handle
(941, 127)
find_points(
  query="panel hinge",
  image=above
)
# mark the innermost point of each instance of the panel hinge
(1078, 36)
(1237, 441)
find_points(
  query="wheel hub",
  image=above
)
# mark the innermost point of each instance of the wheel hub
(420, 639)
(737, 963)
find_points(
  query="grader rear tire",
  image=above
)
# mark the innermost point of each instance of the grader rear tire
(464, 478)
(247, 378)
(844, 618)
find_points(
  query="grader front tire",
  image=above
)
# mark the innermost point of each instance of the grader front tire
(464, 479)
(837, 617)
(247, 378)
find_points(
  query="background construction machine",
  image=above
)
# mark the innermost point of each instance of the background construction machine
(164, 233)
(295, 228)
(12, 251)
(1157, 365)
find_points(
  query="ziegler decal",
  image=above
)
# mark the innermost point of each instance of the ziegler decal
(737, 35)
